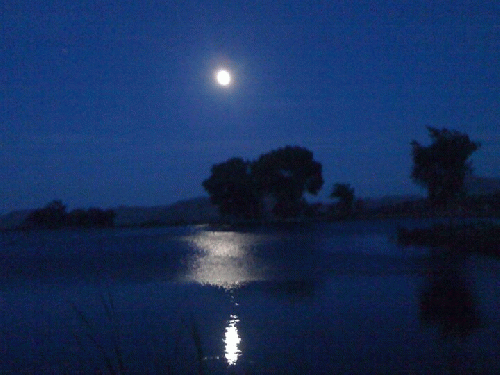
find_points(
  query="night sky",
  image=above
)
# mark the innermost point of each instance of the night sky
(107, 104)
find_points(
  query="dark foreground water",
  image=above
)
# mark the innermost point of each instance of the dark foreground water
(325, 298)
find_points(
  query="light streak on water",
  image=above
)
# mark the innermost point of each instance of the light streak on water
(232, 341)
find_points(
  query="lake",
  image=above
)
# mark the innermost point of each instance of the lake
(311, 298)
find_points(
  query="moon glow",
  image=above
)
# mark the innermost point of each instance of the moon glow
(223, 77)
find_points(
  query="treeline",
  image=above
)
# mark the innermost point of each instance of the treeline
(54, 216)
(274, 184)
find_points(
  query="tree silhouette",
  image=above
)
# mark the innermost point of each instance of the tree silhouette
(345, 193)
(54, 216)
(441, 167)
(285, 174)
(232, 188)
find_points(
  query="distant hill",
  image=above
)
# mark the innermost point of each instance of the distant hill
(473, 186)
(194, 210)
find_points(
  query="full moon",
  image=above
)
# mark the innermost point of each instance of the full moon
(223, 77)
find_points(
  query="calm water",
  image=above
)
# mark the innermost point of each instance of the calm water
(324, 298)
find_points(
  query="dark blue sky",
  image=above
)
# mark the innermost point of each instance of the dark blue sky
(105, 104)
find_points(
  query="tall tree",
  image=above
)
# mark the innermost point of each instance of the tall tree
(285, 174)
(442, 166)
(231, 187)
(345, 194)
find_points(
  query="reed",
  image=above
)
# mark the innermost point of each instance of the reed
(114, 358)
(114, 362)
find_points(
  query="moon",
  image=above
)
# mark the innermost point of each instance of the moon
(223, 77)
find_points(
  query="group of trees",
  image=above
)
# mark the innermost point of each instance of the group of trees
(54, 216)
(242, 188)
(278, 178)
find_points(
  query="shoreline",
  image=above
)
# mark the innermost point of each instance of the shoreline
(481, 237)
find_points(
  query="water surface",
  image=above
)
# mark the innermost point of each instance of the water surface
(319, 298)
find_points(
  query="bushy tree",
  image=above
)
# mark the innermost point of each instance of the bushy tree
(232, 188)
(286, 173)
(345, 194)
(442, 166)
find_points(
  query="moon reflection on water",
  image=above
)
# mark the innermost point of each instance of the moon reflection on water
(232, 341)
(224, 259)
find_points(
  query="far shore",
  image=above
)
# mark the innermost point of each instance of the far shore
(482, 237)
(240, 223)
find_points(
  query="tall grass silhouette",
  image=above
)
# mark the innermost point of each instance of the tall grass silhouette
(114, 361)
(113, 356)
